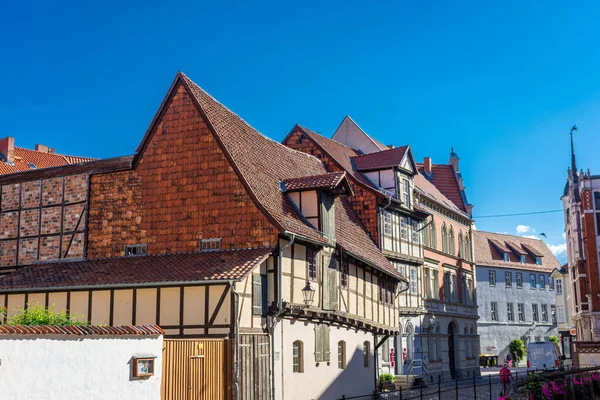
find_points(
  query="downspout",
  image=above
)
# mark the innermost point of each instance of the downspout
(236, 342)
(278, 302)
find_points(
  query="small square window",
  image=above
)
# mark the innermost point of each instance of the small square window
(136, 249)
(211, 244)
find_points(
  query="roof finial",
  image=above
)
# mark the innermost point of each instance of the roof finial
(452, 149)
(573, 162)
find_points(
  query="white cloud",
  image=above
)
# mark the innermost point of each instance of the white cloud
(523, 229)
(531, 236)
(564, 236)
(559, 250)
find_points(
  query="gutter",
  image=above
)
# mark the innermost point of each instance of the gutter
(273, 318)
(236, 342)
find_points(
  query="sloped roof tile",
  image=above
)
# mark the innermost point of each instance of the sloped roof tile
(24, 157)
(486, 254)
(380, 160)
(137, 270)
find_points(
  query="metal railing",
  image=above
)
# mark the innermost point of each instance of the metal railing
(473, 388)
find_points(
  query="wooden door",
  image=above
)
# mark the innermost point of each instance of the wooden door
(196, 378)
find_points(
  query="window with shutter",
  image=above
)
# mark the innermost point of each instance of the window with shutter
(328, 216)
(330, 282)
(257, 295)
(322, 348)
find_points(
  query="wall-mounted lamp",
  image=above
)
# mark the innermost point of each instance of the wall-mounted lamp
(308, 294)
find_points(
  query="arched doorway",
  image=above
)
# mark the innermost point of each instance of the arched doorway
(452, 330)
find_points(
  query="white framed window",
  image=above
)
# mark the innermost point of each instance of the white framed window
(298, 356)
(532, 281)
(542, 281)
(506, 257)
(414, 281)
(534, 311)
(406, 192)
(387, 223)
(521, 310)
(494, 309)
(508, 279)
(553, 313)
(544, 313)
(522, 259)
(210, 244)
(560, 315)
(492, 278)
(415, 232)
(559, 286)
(519, 279)
(510, 311)
(404, 228)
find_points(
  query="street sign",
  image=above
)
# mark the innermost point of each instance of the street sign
(573, 332)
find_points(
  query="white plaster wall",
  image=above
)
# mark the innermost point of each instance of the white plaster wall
(54, 367)
(323, 381)
(350, 134)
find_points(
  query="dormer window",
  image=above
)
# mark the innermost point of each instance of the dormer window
(314, 197)
(522, 259)
(538, 260)
(506, 257)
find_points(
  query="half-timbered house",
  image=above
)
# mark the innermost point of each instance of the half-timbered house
(247, 253)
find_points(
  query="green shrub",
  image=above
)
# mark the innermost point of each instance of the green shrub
(517, 348)
(554, 339)
(386, 378)
(36, 315)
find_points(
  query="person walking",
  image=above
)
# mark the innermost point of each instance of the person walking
(505, 378)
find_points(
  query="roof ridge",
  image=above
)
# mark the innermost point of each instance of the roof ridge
(189, 81)
(325, 137)
(511, 235)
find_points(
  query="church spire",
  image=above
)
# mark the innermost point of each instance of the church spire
(573, 163)
(574, 167)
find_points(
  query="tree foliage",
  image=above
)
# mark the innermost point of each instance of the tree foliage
(517, 347)
(36, 315)
(554, 339)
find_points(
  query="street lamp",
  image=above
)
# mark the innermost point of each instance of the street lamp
(308, 294)
(533, 326)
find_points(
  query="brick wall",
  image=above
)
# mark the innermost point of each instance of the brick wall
(42, 220)
(364, 201)
(183, 190)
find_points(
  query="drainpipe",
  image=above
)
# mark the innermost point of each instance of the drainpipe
(236, 341)
(278, 302)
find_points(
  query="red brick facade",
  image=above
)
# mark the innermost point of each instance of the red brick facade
(183, 190)
(364, 201)
(41, 218)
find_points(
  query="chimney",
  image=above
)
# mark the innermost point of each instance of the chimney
(427, 165)
(7, 148)
(41, 148)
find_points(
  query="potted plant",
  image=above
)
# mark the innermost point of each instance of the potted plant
(386, 382)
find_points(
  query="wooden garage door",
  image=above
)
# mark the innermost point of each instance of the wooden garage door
(196, 369)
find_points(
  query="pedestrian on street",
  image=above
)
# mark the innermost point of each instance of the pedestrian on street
(505, 378)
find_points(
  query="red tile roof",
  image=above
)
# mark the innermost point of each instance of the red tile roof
(137, 270)
(340, 154)
(380, 160)
(514, 247)
(24, 157)
(444, 178)
(325, 181)
(263, 164)
(487, 255)
(86, 330)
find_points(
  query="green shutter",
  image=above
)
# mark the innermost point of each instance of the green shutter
(328, 216)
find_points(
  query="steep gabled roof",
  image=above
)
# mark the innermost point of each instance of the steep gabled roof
(338, 153)
(485, 252)
(380, 160)
(444, 179)
(263, 164)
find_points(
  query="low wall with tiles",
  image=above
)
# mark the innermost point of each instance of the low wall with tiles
(90, 362)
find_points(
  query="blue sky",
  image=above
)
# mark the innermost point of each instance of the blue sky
(502, 82)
